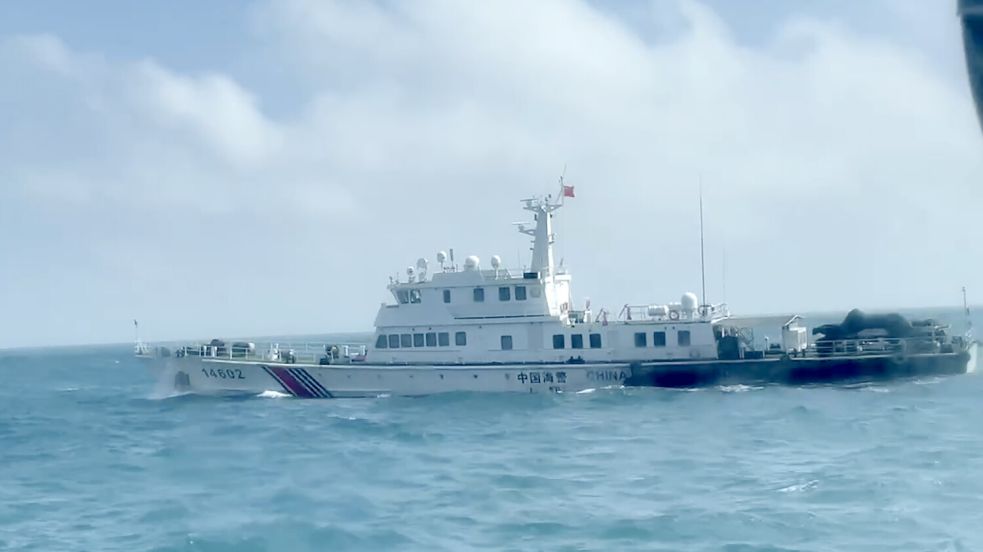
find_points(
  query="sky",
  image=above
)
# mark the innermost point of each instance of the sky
(233, 168)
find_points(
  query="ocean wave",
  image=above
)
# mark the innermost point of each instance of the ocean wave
(800, 487)
(105, 468)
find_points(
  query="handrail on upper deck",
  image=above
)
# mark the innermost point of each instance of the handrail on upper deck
(279, 352)
(644, 313)
(919, 344)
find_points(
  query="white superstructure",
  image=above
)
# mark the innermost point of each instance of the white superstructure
(468, 328)
(496, 315)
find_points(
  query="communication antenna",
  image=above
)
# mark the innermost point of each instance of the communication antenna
(969, 321)
(703, 272)
(724, 274)
(138, 346)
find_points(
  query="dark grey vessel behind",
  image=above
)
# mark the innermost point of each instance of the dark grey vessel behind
(971, 14)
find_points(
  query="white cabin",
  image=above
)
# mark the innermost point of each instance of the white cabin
(480, 316)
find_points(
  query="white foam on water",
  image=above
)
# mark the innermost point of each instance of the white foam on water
(739, 388)
(586, 391)
(928, 381)
(164, 394)
(271, 394)
(801, 487)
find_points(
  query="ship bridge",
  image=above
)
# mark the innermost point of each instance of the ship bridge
(472, 295)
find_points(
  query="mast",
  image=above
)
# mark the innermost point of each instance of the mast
(542, 234)
(703, 272)
(969, 321)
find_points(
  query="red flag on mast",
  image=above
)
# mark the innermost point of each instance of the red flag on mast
(567, 191)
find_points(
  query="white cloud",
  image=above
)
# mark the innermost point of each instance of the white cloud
(839, 169)
(215, 109)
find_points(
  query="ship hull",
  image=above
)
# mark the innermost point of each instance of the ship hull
(206, 375)
(805, 370)
(218, 376)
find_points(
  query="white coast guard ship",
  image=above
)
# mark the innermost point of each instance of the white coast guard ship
(462, 328)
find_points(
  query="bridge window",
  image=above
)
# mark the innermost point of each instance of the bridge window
(381, 342)
(505, 293)
(444, 339)
(641, 339)
(683, 338)
(479, 295)
(520, 293)
(431, 339)
(394, 341)
(461, 339)
(659, 339)
(418, 340)
(595, 341)
(506, 342)
(559, 341)
(405, 340)
(403, 296)
(577, 341)
(415, 296)
(447, 296)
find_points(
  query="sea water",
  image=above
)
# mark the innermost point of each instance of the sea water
(95, 456)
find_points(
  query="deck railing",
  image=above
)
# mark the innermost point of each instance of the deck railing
(887, 346)
(278, 352)
(667, 313)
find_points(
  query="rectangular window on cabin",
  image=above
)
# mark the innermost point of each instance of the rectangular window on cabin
(506, 342)
(505, 294)
(577, 341)
(447, 296)
(418, 340)
(595, 341)
(659, 339)
(431, 339)
(479, 295)
(559, 341)
(381, 342)
(405, 340)
(683, 338)
(520, 293)
(394, 341)
(415, 296)
(640, 339)
(460, 339)
(403, 296)
(444, 339)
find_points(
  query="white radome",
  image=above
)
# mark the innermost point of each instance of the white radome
(689, 301)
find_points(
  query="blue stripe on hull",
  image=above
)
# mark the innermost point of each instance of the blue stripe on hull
(304, 375)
